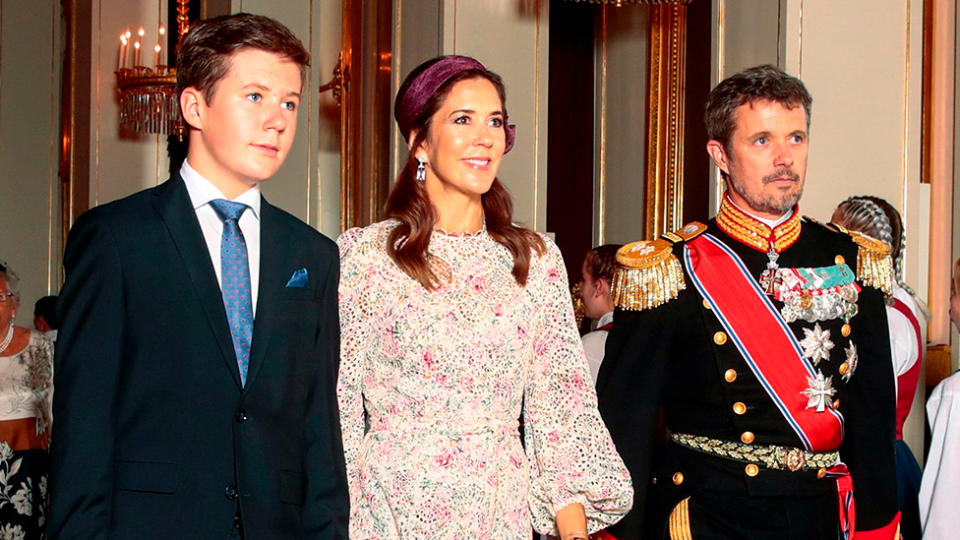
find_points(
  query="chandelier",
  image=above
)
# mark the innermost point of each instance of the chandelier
(148, 95)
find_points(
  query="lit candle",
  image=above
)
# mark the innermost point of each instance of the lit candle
(123, 51)
(126, 47)
(136, 53)
(156, 55)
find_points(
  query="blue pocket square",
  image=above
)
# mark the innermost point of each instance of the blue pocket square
(298, 279)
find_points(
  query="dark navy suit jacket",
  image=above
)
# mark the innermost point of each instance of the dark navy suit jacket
(155, 437)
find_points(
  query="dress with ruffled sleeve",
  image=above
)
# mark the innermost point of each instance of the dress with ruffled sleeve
(432, 384)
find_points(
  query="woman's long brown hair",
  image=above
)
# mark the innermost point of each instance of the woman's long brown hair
(409, 204)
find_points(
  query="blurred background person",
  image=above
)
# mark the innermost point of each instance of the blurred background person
(907, 319)
(45, 317)
(26, 383)
(940, 487)
(597, 273)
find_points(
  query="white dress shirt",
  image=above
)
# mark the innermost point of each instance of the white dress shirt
(201, 192)
(940, 486)
(594, 344)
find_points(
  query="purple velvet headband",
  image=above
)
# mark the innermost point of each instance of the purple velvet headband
(411, 104)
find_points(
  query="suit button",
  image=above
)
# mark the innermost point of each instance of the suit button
(230, 492)
(845, 330)
(747, 437)
(677, 478)
(739, 408)
(844, 368)
(836, 404)
(706, 304)
(730, 375)
(821, 473)
(720, 338)
(751, 470)
(240, 416)
(839, 259)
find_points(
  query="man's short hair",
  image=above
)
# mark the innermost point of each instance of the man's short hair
(760, 83)
(46, 307)
(204, 56)
(601, 261)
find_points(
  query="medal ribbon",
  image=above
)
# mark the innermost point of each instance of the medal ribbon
(758, 331)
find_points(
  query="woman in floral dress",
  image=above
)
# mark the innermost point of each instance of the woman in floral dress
(454, 322)
(26, 383)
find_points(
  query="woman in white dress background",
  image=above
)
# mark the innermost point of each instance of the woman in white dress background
(26, 391)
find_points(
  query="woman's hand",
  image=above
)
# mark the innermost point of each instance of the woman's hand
(572, 522)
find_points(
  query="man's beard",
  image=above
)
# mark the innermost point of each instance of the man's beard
(777, 203)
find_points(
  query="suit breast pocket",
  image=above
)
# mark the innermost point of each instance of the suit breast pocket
(291, 487)
(147, 476)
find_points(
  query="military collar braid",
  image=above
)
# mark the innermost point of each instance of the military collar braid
(755, 233)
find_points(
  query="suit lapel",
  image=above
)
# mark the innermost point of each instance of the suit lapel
(173, 203)
(273, 262)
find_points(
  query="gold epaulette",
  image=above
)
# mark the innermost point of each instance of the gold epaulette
(874, 263)
(648, 274)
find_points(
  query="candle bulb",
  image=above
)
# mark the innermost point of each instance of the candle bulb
(126, 48)
(136, 54)
(122, 53)
(156, 55)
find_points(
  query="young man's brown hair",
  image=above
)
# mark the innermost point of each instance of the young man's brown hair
(204, 55)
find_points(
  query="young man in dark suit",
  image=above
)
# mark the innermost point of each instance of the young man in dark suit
(197, 358)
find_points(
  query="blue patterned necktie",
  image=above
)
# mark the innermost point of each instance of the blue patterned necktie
(235, 281)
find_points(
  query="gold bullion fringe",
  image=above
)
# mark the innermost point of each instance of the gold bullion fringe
(680, 521)
(638, 289)
(874, 264)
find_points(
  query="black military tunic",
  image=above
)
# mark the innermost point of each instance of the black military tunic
(677, 358)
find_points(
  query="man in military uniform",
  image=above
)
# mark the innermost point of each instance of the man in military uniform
(762, 338)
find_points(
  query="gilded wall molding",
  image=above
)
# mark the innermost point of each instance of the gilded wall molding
(664, 206)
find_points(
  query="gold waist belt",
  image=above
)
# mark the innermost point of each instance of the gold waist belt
(782, 458)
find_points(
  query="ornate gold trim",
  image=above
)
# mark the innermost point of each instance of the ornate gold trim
(665, 126)
(680, 521)
(755, 233)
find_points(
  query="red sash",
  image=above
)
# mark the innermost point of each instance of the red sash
(758, 331)
(907, 383)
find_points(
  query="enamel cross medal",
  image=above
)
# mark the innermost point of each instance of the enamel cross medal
(768, 275)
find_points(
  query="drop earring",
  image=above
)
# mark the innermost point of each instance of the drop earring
(421, 170)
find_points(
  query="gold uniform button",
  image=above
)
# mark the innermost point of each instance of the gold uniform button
(653, 480)
(844, 368)
(678, 478)
(845, 330)
(739, 407)
(751, 470)
(839, 259)
(720, 338)
(835, 404)
(821, 473)
(730, 375)
(747, 437)
(706, 305)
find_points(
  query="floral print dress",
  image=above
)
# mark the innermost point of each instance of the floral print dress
(26, 390)
(433, 384)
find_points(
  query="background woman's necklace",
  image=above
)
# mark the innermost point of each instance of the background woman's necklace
(6, 341)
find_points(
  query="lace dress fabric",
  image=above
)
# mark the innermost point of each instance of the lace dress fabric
(26, 391)
(432, 384)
